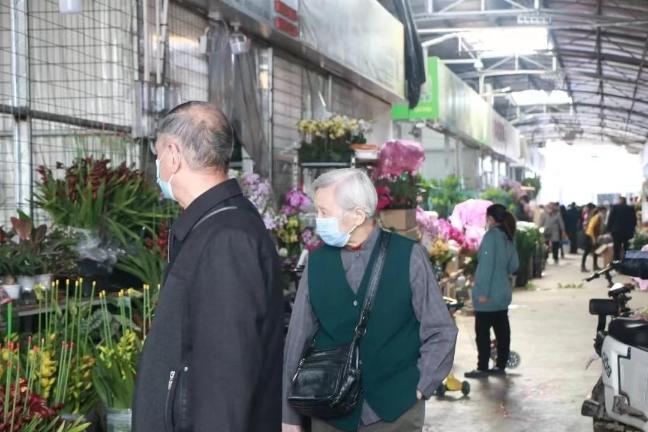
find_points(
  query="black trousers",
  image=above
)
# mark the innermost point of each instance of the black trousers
(618, 244)
(589, 249)
(573, 242)
(555, 250)
(499, 322)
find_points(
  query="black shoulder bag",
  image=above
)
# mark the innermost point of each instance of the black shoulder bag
(327, 383)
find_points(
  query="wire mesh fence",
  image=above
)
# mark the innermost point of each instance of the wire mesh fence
(68, 85)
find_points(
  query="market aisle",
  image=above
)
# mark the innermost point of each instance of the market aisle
(553, 332)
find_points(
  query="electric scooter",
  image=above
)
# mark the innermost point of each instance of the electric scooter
(619, 400)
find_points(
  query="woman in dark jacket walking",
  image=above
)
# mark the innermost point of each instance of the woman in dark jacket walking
(492, 293)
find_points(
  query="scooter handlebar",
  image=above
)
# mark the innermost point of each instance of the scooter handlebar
(600, 273)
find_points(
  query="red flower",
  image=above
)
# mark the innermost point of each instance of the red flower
(384, 197)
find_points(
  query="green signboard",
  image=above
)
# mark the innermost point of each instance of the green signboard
(448, 100)
(428, 106)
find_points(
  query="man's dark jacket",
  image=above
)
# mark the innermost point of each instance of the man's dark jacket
(622, 222)
(229, 268)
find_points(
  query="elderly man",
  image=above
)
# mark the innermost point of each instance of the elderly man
(409, 345)
(212, 361)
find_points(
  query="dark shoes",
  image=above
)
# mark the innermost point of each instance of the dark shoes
(476, 374)
(479, 374)
(497, 372)
(584, 270)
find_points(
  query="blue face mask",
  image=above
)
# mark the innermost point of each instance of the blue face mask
(165, 186)
(329, 231)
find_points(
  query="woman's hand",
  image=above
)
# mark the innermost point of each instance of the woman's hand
(419, 395)
(483, 299)
(290, 428)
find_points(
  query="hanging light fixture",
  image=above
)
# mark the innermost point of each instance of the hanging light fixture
(239, 43)
(67, 7)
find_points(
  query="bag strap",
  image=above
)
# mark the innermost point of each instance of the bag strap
(186, 340)
(361, 327)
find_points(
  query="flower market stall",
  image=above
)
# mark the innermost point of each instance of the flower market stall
(79, 294)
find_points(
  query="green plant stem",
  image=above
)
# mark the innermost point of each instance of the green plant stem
(57, 390)
(67, 309)
(16, 394)
(7, 385)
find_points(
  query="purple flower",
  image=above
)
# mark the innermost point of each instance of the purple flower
(295, 202)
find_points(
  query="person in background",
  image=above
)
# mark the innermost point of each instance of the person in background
(563, 235)
(492, 293)
(539, 215)
(572, 216)
(622, 225)
(522, 210)
(409, 345)
(595, 228)
(588, 212)
(554, 227)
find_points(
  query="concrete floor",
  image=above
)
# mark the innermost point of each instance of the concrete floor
(553, 332)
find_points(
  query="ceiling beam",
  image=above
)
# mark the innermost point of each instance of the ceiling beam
(637, 81)
(614, 109)
(510, 13)
(618, 127)
(610, 95)
(582, 116)
(599, 59)
(567, 79)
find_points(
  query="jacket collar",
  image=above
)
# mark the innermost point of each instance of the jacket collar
(214, 197)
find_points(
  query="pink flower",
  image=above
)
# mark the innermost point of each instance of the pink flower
(399, 156)
(448, 232)
(384, 197)
(427, 223)
(310, 240)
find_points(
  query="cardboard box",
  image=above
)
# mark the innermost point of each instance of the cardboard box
(398, 220)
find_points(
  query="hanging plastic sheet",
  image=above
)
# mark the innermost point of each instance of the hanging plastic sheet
(235, 87)
(414, 58)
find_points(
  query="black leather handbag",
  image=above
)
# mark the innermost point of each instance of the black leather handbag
(328, 383)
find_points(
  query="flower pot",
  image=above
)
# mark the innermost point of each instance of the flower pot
(118, 420)
(398, 220)
(27, 282)
(44, 280)
(13, 291)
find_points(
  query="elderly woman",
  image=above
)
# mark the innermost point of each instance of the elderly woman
(408, 348)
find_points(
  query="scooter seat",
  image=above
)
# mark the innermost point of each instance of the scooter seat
(630, 332)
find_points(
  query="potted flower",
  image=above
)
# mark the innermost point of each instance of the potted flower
(330, 140)
(398, 184)
(9, 269)
(295, 203)
(109, 207)
(58, 257)
(28, 250)
(527, 239)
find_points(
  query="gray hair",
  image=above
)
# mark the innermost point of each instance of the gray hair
(353, 189)
(204, 132)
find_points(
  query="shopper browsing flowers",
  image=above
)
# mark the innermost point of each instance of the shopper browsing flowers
(492, 293)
